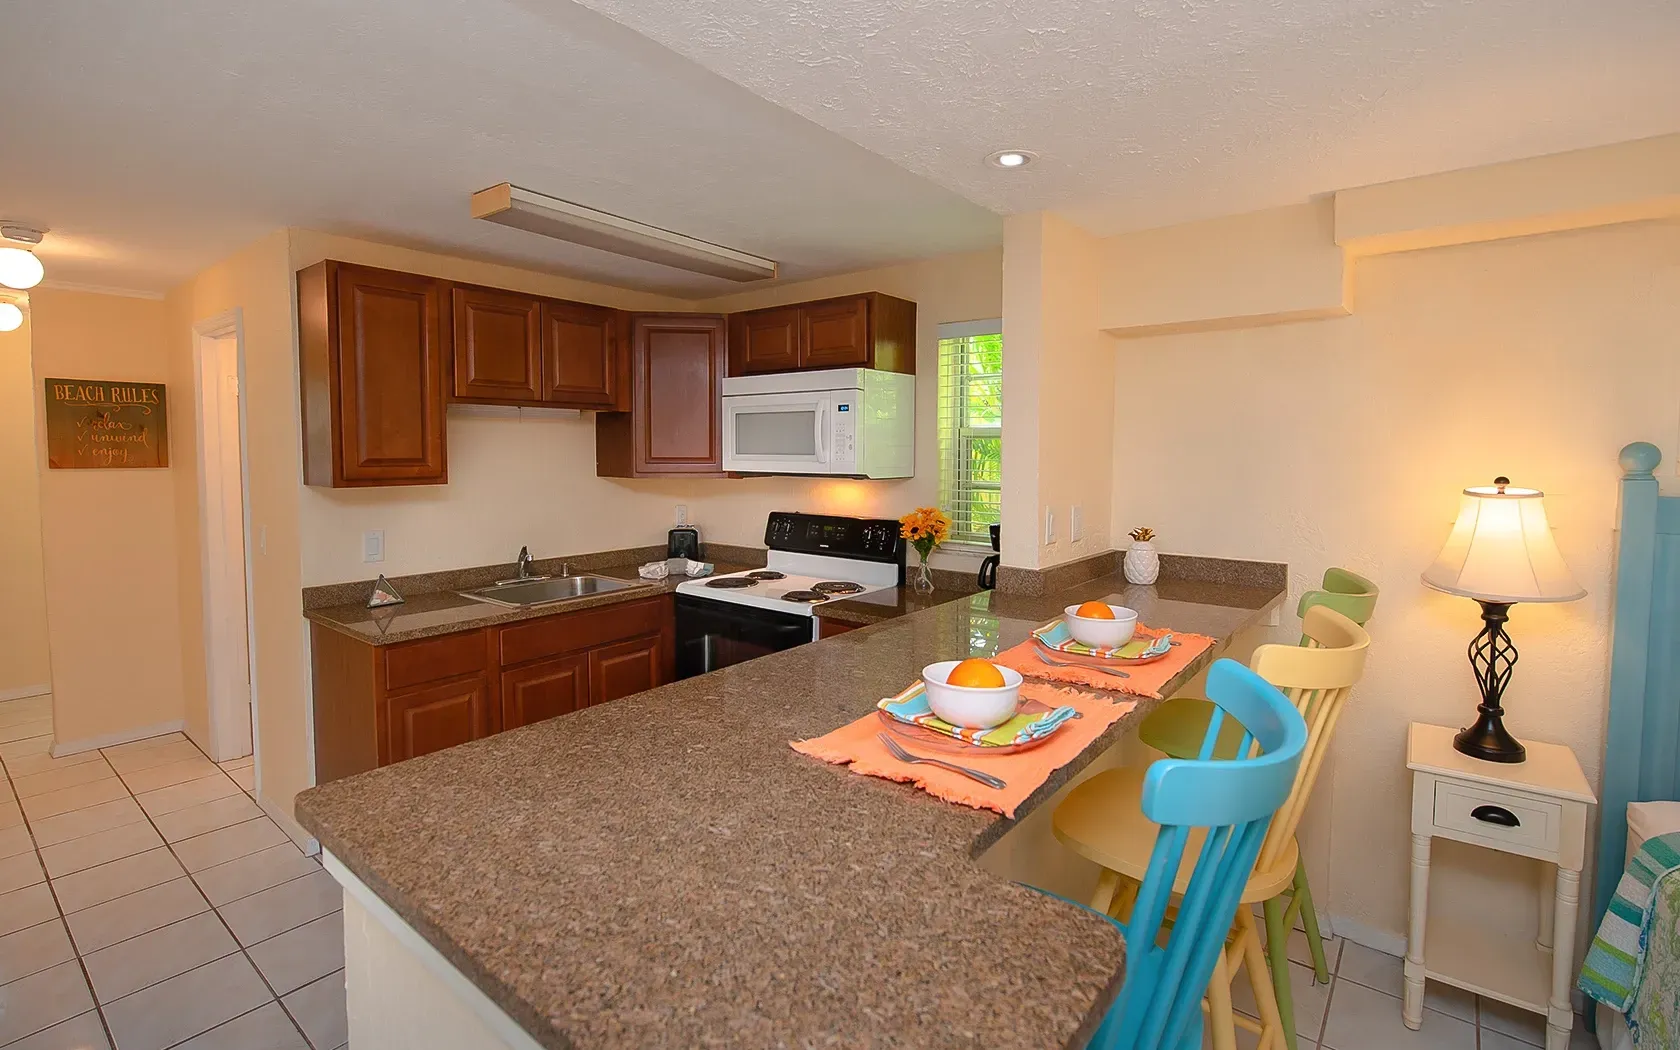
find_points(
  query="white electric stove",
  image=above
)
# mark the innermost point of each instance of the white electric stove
(813, 559)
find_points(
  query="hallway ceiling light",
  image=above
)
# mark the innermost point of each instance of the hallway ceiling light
(11, 318)
(552, 217)
(18, 266)
(1011, 158)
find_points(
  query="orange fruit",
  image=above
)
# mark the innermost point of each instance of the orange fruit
(975, 673)
(1094, 611)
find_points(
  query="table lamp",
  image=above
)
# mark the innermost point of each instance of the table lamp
(1500, 552)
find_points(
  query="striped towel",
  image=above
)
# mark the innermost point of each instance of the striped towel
(911, 706)
(1616, 960)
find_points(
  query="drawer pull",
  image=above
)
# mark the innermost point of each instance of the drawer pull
(1496, 815)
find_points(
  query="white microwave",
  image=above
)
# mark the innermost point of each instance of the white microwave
(855, 422)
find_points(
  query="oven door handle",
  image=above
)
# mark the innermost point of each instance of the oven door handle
(822, 420)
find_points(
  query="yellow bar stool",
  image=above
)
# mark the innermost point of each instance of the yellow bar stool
(1177, 727)
(1101, 820)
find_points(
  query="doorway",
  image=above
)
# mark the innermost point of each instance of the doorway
(224, 529)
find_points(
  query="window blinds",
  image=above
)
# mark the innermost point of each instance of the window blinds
(971, 427)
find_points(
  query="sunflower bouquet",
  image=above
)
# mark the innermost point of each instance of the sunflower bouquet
(925, 528)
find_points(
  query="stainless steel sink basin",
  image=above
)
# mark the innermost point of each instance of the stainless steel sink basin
(524, 593)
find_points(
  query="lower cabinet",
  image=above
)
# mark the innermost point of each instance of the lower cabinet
(556, 686)
(420, 721)
(375, 705)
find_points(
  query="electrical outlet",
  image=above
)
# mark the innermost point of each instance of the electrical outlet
(682, 514)
(373, 545)
(1049, 524)
(1076, 523)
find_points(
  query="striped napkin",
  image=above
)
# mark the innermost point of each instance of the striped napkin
(911, 707)
(1140, 646)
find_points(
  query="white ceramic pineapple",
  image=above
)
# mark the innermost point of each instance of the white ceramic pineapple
(1143, 565)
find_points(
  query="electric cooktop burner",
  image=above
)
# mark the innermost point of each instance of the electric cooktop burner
(766, 574)
(731, 582)
(808, 597)
(837, 587)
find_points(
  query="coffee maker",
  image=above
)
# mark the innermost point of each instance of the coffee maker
(989, 567)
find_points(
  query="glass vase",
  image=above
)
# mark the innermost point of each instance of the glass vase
(922, 579)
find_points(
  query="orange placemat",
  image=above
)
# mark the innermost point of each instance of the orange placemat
(857, 744)
(1143, 679)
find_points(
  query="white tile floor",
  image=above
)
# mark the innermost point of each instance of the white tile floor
(147, 903)
(1360, 1009)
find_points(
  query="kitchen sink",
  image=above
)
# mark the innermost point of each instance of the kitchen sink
(520, 594)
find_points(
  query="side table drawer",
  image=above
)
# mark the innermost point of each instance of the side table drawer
(1528, 824)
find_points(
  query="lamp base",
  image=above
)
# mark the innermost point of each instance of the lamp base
(1492, 657)
(1488, 740)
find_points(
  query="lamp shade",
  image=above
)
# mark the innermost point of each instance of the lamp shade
(1501, 550)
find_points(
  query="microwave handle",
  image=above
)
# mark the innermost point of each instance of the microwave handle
(822, 419)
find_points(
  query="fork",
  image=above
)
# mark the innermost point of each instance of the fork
(973, 774)
(1045, 657)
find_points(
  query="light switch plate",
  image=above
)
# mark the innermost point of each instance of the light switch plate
(373, 545)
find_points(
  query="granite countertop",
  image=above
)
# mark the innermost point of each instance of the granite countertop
(445, 611)
(664, 871)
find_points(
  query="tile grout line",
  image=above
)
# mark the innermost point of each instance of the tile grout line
(81, 963)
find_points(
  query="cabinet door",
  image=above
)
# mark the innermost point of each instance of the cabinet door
(390, 374)
(627, 667)
(498, 345)
(765, 341)
(835, 333)
(420, 721)
(579, 366)
(556, 686)
(677, 366)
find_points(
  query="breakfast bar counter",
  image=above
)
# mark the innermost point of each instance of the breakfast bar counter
(665, 871)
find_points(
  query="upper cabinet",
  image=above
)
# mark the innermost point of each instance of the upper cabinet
(871, 330)
(674, 425)
(372, 345)
(498, 345)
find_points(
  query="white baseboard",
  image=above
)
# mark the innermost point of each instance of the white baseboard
(25, 692)
(1359, 933)
(290, 826)
(73, 747)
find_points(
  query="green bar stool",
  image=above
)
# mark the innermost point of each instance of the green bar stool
(1177, 729)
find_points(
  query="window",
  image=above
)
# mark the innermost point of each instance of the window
(971, 428)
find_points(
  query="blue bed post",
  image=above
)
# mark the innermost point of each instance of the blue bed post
(1639, 706)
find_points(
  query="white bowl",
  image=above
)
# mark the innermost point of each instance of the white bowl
(966, 706)
(1102, 634)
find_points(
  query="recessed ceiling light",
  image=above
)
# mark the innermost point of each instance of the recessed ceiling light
(1011, 158)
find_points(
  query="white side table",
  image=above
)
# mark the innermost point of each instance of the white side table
(1536, 808)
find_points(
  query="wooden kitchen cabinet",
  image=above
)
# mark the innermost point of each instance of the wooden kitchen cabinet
(371, 344)
(420, 721)
(580, 355)
(375, 705)
(675, 422)
(629, 667)
(498, 343)
(870, 330)
(545, 689)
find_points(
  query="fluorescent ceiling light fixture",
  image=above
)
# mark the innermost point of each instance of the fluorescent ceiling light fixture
(11, 318)
(1011, 158)
(536, 212)
(18, 266)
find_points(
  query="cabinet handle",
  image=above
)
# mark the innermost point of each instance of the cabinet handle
(1496, 815)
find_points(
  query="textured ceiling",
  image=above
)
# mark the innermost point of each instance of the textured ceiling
(156, 138)
(1160, 111)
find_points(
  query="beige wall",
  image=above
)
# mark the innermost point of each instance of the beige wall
(1058, 392)
(24, 663)
(517, 482)
(1345, 442)
(109, 536)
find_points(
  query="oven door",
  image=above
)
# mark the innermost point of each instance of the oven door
(781, 433)
(713, 634)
